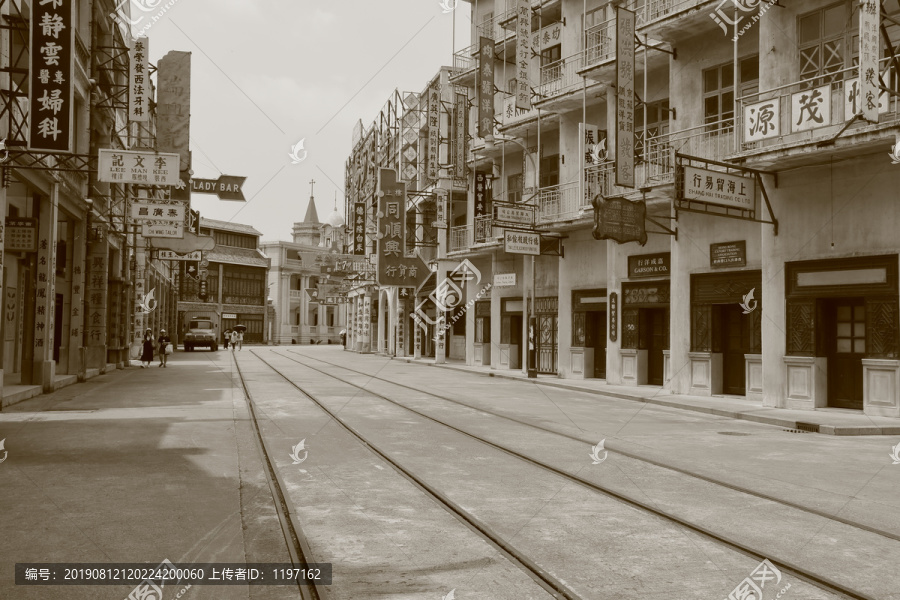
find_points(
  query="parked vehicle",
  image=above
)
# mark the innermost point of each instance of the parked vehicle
(201, 332)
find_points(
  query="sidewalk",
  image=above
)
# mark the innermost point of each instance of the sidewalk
(828, 421)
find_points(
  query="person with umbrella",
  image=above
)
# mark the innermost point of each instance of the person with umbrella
(237, 337)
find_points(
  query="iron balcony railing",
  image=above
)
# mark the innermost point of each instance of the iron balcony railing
(559, 202)
(460, 238)
(465, 60)
(561, 76)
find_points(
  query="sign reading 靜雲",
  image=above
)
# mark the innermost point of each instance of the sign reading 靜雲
(728, 254)
(128, 166)
(485, 83)
(869, 54)
(523, 53)
(649, 265)
(520, 242)
(139, 81)
(716, 187)
(51, 76)
(625, 97)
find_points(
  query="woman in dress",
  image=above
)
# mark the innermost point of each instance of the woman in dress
(147, 352)
(163, 341)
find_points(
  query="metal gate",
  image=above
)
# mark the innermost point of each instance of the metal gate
(547, 334)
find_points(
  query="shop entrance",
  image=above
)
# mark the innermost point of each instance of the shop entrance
(653, 328)
(595, 322)
(734, 344)
(845, 341)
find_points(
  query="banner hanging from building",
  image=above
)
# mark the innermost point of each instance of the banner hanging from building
(50, 81)
(434, 130)
(625, 97)
(394, 268)
(359, 228)
(461, 108)
(869, 53)
(139, 81)
(523, 53)
(173, 123)
(485, 83)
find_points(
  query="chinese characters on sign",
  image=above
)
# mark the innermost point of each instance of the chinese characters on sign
(716, 187)
(45, 296)
(96, 283)
(592, 145)
(625, 88)
(811, 109)
(147, 210)
(613, 316)
(619, 219)
(21, 234)
(852, 98)
(546, 37)
(649, 265)
(393, 266)
(440, 209)
(50, 81)
(728, 254)
(139, 84)
(359, 228)
(869, 53)
(459, 160)
(483, 185)
(518, 242)
(485, 83)
(434, 130)
(504, 279)
(513, 214)
(126, 166)
(762, 120)
(523, 53)
(170, 255)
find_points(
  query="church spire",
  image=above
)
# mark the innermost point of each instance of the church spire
(312, 217)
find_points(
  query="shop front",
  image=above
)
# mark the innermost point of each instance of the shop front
(588, 351)
(547, 342)
(841, 324)
(645, 332)
(511, 323)
(483, 333)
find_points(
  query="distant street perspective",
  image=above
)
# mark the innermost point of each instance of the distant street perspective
(450, 299)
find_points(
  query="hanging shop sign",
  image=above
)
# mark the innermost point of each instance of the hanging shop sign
(148, 210)
(869, 54)
(21, 234)
(461, 110)
(440, 209)
(139, 84)
(762, 120)
(51, 76)
(226, 187)
(523, 53)
(619, 219)
(170, 255)
(812, 108)
(485, 83)
(719, 188)
(649, 265)
(434, 130)
(173, 122)
(163, 230)
(504, 279)
(613, 316)
(129, 166)
(393, 267)
(513, 214)
(853, 99)
(359, 228)
(520, 242)
(625, 97)
(728, 254)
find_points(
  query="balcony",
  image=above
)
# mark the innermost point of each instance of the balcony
(781, 120)
(559, 202)
(460, 238)
(296, 295)
(562, 76)
(464, 63)
(665, 19)
(600, 44)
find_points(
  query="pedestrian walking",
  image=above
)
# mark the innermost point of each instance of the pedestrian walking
(147, 351)
(240, 340)
(164, 343)
(227, 337)
(234, 339)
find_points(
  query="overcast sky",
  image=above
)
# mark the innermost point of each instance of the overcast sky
(267, 73)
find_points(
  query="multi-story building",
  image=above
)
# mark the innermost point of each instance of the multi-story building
(71, 262)
(770, 268)
(302, 316)
(236, 289)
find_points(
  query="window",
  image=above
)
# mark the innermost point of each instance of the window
(236, 240)
(657, 124)
(718, 90)
(514, 186)
(825, 36)
(243, 285)
(550, 171)
(551, 55)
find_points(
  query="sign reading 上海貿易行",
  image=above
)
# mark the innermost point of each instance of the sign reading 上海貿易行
(728, 254)
(139, 81)
(520, 242)
(649, 265)
(128, 166)
(716, 187)
(625, 97)
(226, 187)
(51, 76)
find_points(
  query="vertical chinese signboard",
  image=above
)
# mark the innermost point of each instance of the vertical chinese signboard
(173, 124)
(359, 228)
(139, 84)
(869, 52)
(459, 158)
(393, 267)
(523, 53)
(485, 83)
(434, 130)
(625, 87)
(482, 200)
(50, 86)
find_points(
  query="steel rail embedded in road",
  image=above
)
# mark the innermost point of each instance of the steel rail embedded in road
(297, 546)
(551, 584)
(631, 455)
(800, 572)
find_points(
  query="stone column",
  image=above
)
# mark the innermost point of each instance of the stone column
(44, 367)
(95, 319)
(76, 312)
(440, 331)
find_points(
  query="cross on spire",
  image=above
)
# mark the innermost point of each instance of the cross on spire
(312, 186)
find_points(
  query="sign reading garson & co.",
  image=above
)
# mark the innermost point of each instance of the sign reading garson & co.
(649, 265)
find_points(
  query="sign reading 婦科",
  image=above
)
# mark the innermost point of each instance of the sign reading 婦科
(50, 77)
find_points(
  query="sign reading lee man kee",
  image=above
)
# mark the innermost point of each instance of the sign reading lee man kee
(127, 166)
(716, 187)
(50, 79)
(649, 265)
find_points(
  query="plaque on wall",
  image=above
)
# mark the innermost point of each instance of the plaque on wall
(613, 316)
(649, 265)
(728, 254)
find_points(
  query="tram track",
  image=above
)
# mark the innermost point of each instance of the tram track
(612, 449)
(809, 576)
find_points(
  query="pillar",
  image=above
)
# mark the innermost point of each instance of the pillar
(76, 312)
(95, 319)
(43, 366)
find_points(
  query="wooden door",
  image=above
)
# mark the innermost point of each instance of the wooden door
(596, 328)
(846, 345)
(656, 342)
(734, 346)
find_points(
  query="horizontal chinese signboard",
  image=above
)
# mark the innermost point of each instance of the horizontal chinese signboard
(518, 242)
(169, 255)
(163, 230)
(620, 220)
(21, 234)
(716, 187)
(811, 109)
(142, 210)
(649, 265)
(762, 120)
(513, 214)
(126, 166)
(728, 254)
(229, 315)
(504, 279)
